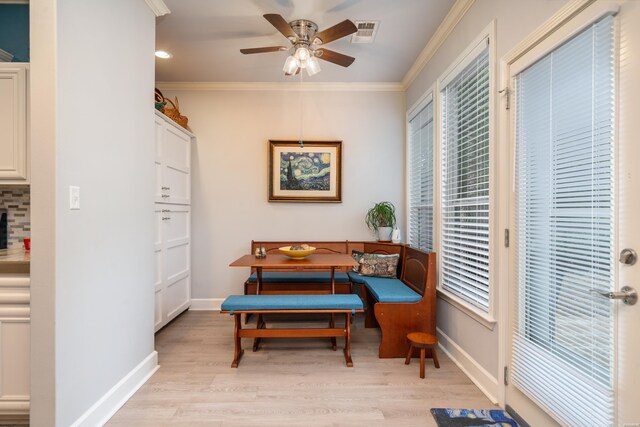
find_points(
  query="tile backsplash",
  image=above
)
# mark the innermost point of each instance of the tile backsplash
(17, 201)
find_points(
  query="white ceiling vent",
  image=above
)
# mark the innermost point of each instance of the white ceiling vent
(366, 31)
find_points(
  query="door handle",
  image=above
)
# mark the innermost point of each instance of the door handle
(627, 294)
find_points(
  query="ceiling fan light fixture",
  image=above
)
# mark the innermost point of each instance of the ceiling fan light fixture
(313, 66)
(291, 65)
(302, 53)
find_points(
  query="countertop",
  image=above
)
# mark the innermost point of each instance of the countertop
(14, 261)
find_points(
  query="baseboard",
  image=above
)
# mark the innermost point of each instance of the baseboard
(114, 399)
(480, 376)
(206, 304)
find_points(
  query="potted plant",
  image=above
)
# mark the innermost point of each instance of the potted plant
(381, 219)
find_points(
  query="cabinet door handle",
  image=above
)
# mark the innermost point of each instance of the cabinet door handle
(165, 196)
(166, 210)
(165, 188)
(166, 218)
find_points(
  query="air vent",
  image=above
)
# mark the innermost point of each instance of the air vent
(366, 31)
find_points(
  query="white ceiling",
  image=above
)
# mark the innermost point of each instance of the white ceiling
(205, 38)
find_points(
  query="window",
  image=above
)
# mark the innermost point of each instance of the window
(564, 335)
(465, 179)
(420, 164)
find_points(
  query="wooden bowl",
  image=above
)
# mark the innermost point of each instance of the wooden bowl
(297, 254)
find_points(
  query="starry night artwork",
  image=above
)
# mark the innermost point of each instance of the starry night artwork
(305, 171)
(310, 171)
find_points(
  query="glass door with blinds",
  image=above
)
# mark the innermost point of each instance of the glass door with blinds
(566, 349)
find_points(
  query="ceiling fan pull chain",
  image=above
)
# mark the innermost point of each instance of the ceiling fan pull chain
(300, 103)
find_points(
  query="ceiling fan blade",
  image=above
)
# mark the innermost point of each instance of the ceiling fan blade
(263, 49)
(336, 32)
(281, 25)
(335, 57)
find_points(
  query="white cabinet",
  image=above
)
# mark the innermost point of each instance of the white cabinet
(173, 160)
(15, 347)
(172, 221)
(14, 148)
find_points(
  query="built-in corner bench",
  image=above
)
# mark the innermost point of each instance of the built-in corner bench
(401, 305)
(398, 305)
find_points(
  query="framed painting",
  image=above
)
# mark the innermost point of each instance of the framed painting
(308, 173)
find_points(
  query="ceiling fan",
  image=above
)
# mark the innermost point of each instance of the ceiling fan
(307, 44)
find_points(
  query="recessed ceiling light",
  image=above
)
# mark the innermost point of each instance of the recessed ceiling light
(162, 54)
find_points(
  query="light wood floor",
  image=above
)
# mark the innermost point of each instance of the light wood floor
(293, 382)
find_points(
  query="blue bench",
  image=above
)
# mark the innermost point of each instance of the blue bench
(236, 305)
(386, 289)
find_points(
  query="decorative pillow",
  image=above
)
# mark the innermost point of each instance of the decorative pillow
(357, 255)
(379, 265)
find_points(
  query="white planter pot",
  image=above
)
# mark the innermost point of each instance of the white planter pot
(384, 234)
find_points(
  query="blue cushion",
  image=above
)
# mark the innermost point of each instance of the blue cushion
(356, 278)
(293, 302)
(390, 290)
(299, 276)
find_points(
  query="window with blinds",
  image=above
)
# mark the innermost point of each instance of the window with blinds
(420, 177)
(465, 179)
(563, 335)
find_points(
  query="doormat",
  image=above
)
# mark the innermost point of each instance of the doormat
(448, 417)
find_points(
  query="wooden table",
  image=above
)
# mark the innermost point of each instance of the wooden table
(280, 261)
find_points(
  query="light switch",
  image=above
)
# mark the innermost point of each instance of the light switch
(74, 197)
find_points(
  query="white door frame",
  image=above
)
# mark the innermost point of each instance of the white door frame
(529, 44)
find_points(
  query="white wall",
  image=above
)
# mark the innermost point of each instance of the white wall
(229, 193)
(474, 345)
(94, 302)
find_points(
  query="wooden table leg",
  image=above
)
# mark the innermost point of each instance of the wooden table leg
(238, 351)
(260, 322)
(422, 349)
(258, 279)
(259, 325)
(332, 324)
(347, 341)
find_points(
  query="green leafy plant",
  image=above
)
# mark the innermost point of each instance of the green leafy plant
(382, 214)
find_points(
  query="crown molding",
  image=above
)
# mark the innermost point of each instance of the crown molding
(273, 86)
(158, 7)
(566, 13)
(458, 10)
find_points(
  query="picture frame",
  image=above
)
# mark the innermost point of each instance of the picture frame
(311, 172)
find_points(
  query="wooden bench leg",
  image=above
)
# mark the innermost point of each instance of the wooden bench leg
(259, 325)
(422, 362)
(238, 351)
(347, 341)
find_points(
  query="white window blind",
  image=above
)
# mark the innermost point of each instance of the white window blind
(465, 180)
(564, 336)
(421, 179)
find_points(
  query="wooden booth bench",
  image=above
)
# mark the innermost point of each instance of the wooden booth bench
(237, 305)
(401, 305)
(397, 306)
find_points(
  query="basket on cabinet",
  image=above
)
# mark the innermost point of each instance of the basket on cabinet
(174, 113)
